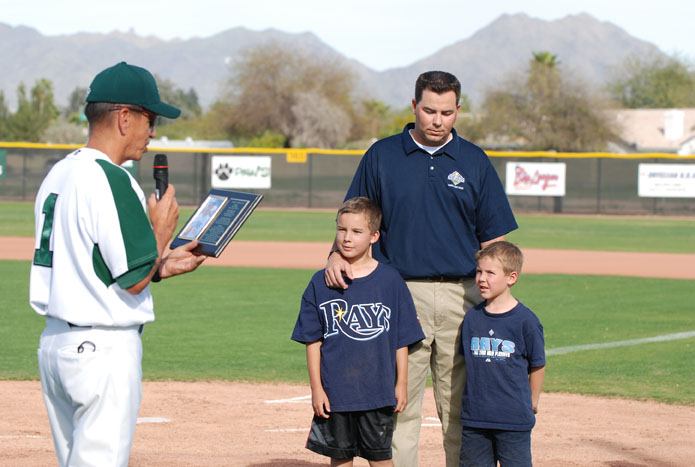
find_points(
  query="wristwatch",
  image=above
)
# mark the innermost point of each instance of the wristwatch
(333, 251)
(156, 277)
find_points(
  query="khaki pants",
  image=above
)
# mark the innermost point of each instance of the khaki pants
(440, 307)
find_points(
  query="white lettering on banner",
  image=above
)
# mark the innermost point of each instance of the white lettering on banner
(241, 172)
(536, 178)
(666, 181)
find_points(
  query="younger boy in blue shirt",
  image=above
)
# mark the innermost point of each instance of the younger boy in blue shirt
(357, 346)
(503, 345)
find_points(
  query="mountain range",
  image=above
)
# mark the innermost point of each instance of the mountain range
(590, 49)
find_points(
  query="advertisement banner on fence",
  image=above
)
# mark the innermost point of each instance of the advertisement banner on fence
(240, 172)
(3, 162)
(536, 178)
(666, 181)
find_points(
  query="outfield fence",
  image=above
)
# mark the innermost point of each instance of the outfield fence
(594, 183)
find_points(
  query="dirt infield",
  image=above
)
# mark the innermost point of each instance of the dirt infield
(263, 425)
(306, 255)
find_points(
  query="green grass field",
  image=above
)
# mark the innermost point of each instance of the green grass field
(654, 234)
(235, 324)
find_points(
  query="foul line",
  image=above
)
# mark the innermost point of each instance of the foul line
(294, 400)
(646, 340)
(152, 420)
(286, 430)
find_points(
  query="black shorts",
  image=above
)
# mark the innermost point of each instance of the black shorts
(345, 435)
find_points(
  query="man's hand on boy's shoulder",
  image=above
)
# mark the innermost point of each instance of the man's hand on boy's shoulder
(335, 269)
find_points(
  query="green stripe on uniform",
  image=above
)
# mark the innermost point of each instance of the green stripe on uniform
(100, 267)
(136, 231)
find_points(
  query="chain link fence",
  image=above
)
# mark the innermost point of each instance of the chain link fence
(595, 183)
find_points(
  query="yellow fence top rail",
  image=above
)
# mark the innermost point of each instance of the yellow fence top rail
(359, 152)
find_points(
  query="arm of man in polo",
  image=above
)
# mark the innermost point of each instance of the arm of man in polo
(501, 238)
(336, 267)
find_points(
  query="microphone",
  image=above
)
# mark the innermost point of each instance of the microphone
(161, 175)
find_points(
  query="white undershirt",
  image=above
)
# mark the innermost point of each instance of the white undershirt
(431, 149)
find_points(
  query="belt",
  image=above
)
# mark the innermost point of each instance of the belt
(76, 326)
(141, 328)
(445, 278)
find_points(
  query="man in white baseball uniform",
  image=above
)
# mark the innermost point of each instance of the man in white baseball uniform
(96, 253)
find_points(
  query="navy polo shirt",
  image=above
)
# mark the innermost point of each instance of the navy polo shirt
(437, 209)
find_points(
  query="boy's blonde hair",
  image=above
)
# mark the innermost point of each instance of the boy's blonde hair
(506, 253)
(365, 206)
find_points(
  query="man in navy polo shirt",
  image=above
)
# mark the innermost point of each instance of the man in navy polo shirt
(442, 201)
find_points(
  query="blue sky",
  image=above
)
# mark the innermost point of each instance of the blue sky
(381, 34)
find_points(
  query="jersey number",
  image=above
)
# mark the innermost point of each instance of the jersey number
(44, 256)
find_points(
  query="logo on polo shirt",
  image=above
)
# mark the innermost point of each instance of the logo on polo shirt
(456, 179)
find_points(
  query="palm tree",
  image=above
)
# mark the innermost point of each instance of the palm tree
(545, 58)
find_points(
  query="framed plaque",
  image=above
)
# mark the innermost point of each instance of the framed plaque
(218, 218)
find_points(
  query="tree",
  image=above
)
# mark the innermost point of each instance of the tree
(187, 101)
(34, 113)
(466, 104)
(4, 117)
(541, 110)
(276, 88)
(374, 120)
(64, 132)
(369, 119)
(207, 126)
(657, 82)
(545, 58)
(544, 75)
(76, 103)
(318, 121)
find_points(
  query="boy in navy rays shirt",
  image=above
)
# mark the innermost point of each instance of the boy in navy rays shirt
(357, 346)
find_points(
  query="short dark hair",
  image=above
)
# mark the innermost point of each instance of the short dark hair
(365, 206)
(439, 82)
(506, 253)
(96, 112)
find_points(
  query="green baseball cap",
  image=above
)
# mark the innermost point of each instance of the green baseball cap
(129, 84)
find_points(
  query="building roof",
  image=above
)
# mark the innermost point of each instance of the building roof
(165, 142)
(655, 130)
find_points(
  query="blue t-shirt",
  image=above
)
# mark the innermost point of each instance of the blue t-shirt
(361, 327)
(437, 209)
(500, 349)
